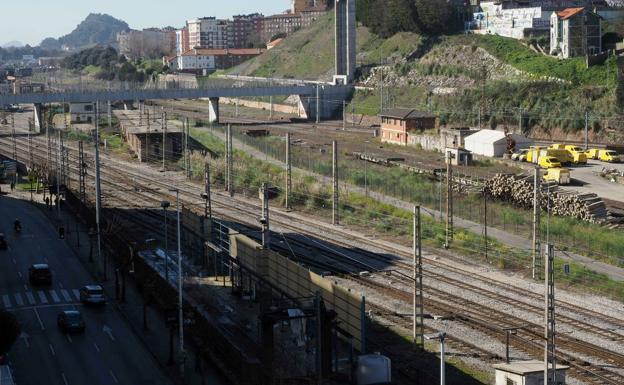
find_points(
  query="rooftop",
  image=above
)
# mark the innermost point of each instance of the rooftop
(525, 367)
(406, 113)
(569, 12)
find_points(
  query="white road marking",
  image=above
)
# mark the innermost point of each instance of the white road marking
(109, 331)
(113, 375)
(66, 295)
(14, 261)
(30, 297)
(7, 301)
(64, 379)
(55, 296)
(24, 336)
(18, 299)
(76, 293)
(39, 319)
(42, 296)
(96, 347)
(19, 273)
(52, 350)
(26, 287)
(60, 285)
(69, 338)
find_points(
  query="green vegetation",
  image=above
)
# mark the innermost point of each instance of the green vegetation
(514, 53)
(310, 194)
(106, 64)
(95, 29)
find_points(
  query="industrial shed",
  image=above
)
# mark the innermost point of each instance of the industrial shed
(494, 143)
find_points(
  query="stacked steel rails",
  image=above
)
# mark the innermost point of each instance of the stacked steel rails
(149, 187)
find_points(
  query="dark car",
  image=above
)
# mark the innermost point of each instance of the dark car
(3, 242)
(71, 321)
(40, 274)
(93, 295)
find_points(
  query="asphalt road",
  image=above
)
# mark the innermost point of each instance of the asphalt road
(107, 353)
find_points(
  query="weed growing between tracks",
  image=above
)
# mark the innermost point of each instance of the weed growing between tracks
(313, 196)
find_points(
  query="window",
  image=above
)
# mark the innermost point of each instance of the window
(88, 107)
(510, 382)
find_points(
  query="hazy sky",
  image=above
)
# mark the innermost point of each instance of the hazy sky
(30, 21)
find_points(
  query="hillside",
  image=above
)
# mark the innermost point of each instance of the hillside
(95, 29)
(552, 94)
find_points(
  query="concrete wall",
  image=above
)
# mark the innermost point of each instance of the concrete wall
(281, 108)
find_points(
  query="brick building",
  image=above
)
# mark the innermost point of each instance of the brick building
(398, 123)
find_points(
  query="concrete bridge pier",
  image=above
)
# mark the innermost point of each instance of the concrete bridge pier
(213, 110)
(38, 116)
(327, 102)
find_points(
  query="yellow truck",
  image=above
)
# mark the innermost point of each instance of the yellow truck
(535, 153)
(608, 156)
(592, 153)
(559, 175)
(578, 154)
(549, 162)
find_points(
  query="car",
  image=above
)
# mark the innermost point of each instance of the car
(3, 242)
(609, 156)
(92, 295)
(549, 162)
(40, 274)
(520, 156)
(71, 321)
(592, 153)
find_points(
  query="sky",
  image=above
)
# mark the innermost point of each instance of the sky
(31, 21)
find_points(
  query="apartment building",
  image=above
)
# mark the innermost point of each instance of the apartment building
(208, 32)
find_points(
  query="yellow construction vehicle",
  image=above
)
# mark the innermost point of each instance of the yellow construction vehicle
(577, 153)
(592, 153)
(549, 162)
(608, 156)
(559, 175)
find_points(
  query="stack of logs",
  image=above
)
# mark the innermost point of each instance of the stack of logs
(518, 190)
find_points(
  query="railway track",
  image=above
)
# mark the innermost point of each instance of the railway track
(155, 190)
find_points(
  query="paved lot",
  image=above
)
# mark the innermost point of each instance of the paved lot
(592, 182)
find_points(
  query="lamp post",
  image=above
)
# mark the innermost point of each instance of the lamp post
(165, 205)
(180, 299)
(441, 336)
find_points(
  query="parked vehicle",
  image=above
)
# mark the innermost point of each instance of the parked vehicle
(559, 175)
(608, 156)
(592, 153)
(92, 294)
(549, 162)
(520, 156)
(578, 154)
(71, 321)
(536, 152)
(40, 274)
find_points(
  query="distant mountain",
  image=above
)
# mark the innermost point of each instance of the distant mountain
(14, 43)
(95, 29)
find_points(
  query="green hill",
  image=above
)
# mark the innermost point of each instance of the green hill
(95, 29)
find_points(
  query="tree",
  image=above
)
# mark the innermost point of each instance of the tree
(435, 16)
(10, 331)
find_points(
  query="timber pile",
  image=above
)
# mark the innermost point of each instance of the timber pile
(518, 190)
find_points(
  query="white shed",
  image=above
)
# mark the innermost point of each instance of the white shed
(493, 143)
(526, 373)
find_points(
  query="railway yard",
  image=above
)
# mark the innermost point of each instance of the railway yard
(473, 302)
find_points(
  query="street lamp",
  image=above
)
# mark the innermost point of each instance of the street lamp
(180, 313)
(441, 336)
(165, 205)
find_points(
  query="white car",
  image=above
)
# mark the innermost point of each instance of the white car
(92, 294)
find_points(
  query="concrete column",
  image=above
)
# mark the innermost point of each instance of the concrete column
(38, 116)
(213, 114)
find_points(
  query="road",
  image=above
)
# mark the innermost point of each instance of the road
(594, 183)
(107, 353)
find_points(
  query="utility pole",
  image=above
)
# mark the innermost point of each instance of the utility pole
(49, 149)
(230, 161)
(288, 172)
(208, 197)
(180, 298)
(187, 154)
(536, 226)
(147, 137)
(335, 192)
(318, 105)
(58, 178)
(353, 113)
(110, 115)
(381, 86)
(586, 130)
(344, 115)
(81, 172)
(14, 145)
(264, 220)
(163, 123)
(62, 148)
(550, 364)
(485, 224)
(98, 191)
(271, 107)
(449, 201)
(418, 322)
(227, 158)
